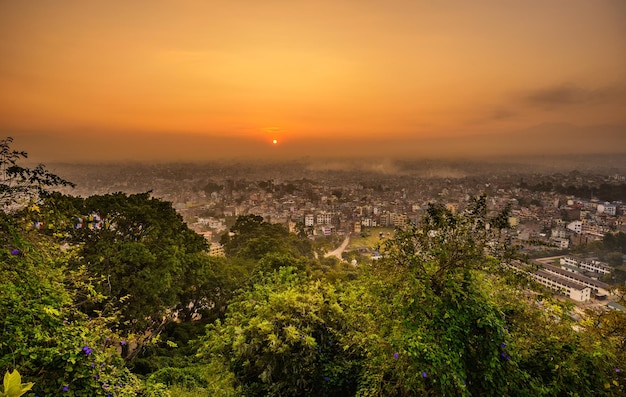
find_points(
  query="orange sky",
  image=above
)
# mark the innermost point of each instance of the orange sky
(308, 73)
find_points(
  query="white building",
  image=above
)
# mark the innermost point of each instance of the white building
(324, 218)
(309, 220)
(607, 208)
(576, 226)
(589, 265)
(571, 289)
(596, 286)
(556, 282)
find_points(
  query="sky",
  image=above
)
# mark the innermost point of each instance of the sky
(200, 80)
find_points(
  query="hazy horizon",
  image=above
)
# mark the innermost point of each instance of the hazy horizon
(195, 81)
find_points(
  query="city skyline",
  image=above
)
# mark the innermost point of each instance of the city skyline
(202, 80)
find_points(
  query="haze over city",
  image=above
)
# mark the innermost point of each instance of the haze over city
(190, 80)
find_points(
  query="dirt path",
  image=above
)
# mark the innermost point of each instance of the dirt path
(339, 250)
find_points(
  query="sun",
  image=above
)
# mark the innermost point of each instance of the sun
(275, 141)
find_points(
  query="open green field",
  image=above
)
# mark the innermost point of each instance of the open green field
(369, 237)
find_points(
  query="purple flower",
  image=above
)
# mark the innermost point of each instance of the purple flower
(326, 378)
(618, 370)
(65, 388)
(15, 251)
(503, 345)
(123, 343)
(424, 374)
(87, 350)
(395, 355)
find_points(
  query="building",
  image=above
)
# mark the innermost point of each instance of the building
(571, 289)
(596, 286)
(216, 249)
(556, 282)
(399, 220)
(608, 209)
(562, 243)
(576, 227)
(309, 220)
(324, 218)
(589, 265)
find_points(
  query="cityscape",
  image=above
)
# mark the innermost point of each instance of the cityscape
(549, 214)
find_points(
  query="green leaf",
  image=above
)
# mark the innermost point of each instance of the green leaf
(13, 385)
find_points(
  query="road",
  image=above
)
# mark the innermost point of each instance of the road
(339, 250)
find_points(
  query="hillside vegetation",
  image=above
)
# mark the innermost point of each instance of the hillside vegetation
(114, 296)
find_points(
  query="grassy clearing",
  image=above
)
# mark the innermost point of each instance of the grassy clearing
(370, 237)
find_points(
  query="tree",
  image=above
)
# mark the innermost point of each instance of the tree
(18, 184)
(140, 248)
(210, 283)
(252, 238)
(457, 323)
(282, 338)
(45, 337)
(615, 242)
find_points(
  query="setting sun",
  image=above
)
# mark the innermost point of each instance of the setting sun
(275, 141)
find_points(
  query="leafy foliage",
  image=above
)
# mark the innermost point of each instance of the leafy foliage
(252, 238)
(21, 184)
(43, 334)
(281, 338)
(52, 343)
(138, 245)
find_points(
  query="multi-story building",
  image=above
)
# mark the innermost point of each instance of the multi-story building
(562, 243)
(309, 220)
(324, 218)
(596, 286)
(556, 282)
(571, 289)
(590, 265)
(216, 249)
(608, 209)
(576, 227)
(398, 220)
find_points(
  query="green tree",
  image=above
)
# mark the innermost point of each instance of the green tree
(252, 238)
(44, 335)
(615, 242)
(210, 283)
(138, 246)
(282, 338)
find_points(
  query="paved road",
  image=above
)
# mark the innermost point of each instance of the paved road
(338, 251)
